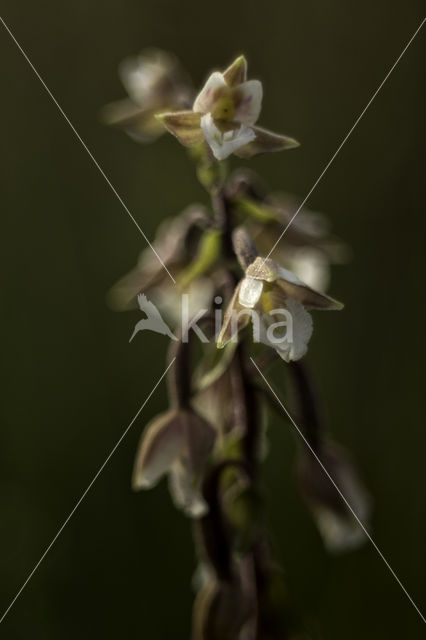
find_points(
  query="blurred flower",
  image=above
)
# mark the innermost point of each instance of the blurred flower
(223, 608)
(224, 114)
(176, 443)
(154, 81)
(308, 247)
(337, 525)
(216, 403)
(175, 242)
(266, 292)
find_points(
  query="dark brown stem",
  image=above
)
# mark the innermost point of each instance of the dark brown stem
(212, 528)
(223, 222)
(179, 376)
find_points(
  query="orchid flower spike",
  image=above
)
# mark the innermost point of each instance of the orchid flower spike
(224, 114)
(276, 301)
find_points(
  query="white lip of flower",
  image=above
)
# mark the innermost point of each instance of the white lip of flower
(223, 144)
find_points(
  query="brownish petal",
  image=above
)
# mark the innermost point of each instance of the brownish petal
(266, 141)
(309, 297)
(139, 123)
(185, 125)
(236, 73)
(160, 445)
(290, 284)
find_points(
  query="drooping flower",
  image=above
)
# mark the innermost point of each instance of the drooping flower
(154, 81)
(222, 609)
(336, 523)
(176, 443)
(176, 242)
(267, 294)
(224, 114)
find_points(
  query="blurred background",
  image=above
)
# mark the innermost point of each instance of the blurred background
(71, 382)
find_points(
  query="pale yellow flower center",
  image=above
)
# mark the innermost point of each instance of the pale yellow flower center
(224, 109)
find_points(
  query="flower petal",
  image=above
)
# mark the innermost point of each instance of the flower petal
(301, 330)
(209, 93)
(185, 494)
(236, 73)
(266, 141)
(311, 265)
(291, 285)
(139, 76)
(289, 341)
(160, 445)
(185, 125)
(234, 320)
(248, 101)
(186, 471)
(200, 437)
(295, 288)
(223, 144)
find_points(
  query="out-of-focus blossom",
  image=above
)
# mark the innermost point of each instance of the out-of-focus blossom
(224, 114)
(308, 247)
(270, 291)
(238, 610)
(155, 82)
(216, 403)
(176, 443)
(176, 242)
(223, 609)
(337, 525)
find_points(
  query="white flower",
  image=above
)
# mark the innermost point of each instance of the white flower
(224, 114)
(154, 82)
(275, 300)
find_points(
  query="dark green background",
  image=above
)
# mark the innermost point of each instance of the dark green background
(71, 383)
